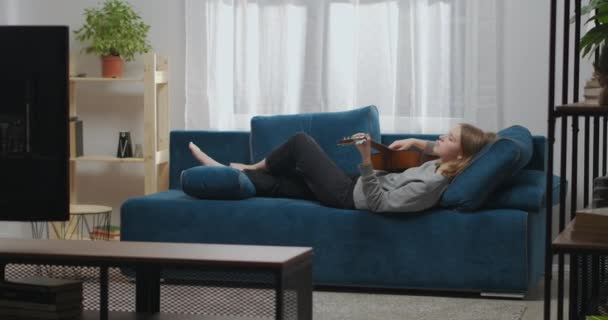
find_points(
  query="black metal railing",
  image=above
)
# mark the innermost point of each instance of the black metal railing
(587, 272)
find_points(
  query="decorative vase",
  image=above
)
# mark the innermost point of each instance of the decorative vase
(125, 149)
(111, 66)
(592, 91)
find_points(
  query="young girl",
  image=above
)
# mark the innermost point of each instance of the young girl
(299, 168)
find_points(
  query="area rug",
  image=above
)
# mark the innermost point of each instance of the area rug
(258, 303)
(360, 306)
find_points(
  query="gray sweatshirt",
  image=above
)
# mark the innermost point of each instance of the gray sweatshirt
(412, 190)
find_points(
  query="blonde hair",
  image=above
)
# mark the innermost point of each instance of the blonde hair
(472, 140)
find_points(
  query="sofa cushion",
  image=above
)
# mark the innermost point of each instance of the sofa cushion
(494, 164)
(268, 132)
(524, 191)
(216, 183)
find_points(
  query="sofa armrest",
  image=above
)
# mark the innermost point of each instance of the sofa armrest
(525, 191)
(223, 146)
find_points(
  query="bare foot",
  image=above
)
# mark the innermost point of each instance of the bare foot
(241, 166)
(202, 157)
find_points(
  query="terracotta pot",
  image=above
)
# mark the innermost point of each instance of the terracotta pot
(111, 66)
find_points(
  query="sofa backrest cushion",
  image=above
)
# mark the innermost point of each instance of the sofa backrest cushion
(495, 163)
(216, 183)
(525, 191)
(268, 132)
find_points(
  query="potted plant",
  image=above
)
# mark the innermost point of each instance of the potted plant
(596, 38)
(116, 32)
(598, 34)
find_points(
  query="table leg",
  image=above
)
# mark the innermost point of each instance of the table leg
(147, 289)
(39, 229)
(305, 292)
(573, 296)
(279, 290)
(103, 293)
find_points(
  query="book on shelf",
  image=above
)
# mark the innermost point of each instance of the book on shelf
(105, 232)
(41, 284)
(67, 297)
(591, 224)
(76, 303)
(13, 313)
(76, 144)
(596, 218)
(42, 290)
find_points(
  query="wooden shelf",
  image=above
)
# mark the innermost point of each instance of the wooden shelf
(107, 159)
(160, 77)
(580, 109)
(96, 79)
(565, 243)
(155, 144)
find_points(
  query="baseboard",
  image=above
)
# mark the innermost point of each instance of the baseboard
(502, 295)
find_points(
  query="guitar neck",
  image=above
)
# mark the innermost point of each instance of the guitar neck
(376, 145)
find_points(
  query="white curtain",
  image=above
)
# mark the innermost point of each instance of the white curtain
(426, 64)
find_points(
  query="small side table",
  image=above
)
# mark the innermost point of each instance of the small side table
(85, 217)
(588, 284)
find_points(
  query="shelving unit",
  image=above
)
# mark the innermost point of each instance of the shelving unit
(155, 144)
(588, 134)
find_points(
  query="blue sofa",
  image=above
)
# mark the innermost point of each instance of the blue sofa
(498, 248)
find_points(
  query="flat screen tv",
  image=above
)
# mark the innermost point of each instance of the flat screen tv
(34, 115)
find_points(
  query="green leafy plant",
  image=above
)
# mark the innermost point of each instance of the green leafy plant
(598, 34)
(601, 64)
(114, 29)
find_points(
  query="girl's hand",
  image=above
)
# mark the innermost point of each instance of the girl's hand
(365, 148)
(403, 144)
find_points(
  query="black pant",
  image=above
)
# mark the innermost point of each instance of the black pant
(300, 169)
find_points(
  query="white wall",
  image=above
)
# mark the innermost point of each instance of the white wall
(108, 109)
(525, 50)
(525, 63)
(525, 76)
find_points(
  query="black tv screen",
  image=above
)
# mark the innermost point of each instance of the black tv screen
(34, 114)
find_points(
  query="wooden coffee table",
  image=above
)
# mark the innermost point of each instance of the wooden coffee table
(288, 265)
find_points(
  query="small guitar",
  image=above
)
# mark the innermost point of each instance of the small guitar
(388, 159)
